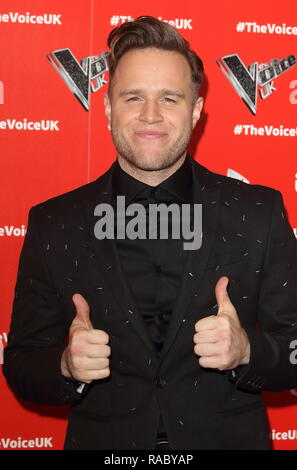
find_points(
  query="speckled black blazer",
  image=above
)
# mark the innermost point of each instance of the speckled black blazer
(246, 236)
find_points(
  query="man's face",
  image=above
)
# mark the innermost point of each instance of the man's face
(151, 109)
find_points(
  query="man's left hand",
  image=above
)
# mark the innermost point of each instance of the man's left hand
(220, 340)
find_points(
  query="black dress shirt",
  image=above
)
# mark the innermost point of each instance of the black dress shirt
(154, 267)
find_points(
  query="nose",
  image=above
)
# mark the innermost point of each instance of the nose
(150, 112)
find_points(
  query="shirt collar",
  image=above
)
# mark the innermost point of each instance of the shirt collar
(179, 184)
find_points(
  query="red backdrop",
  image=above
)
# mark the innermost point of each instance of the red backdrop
(39, 164)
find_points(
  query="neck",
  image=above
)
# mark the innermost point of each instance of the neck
(153, 177)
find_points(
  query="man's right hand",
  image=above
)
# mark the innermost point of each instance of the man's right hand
(86, 356)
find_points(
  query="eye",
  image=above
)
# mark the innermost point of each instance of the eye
(169, 100)
(133, 98)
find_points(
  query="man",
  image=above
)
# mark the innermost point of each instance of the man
(141, 336)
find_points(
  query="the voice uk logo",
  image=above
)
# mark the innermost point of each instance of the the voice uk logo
(80, 77)
(248, 81)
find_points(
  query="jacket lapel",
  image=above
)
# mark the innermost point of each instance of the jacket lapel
(209, 194)
(109, 262)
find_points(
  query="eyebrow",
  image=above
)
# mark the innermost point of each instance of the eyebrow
(163, 91)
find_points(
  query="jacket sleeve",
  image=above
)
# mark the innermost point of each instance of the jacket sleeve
(273, 358)
(38, 330)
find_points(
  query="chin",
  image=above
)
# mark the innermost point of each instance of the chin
(151, 162)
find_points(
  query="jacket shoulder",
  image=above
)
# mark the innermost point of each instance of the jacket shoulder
(66, 202)
(232, 186)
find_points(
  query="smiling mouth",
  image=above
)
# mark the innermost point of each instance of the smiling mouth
(150, 135)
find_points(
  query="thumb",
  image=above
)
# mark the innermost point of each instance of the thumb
(82, 318)
(223, 300)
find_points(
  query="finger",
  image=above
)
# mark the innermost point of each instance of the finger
(221, 294)
(207, 323)
(82, 311)
(94, 351)
(213, 362)
(207, 336)
(88, 363)
(207, 349)
(98, 337)
(223, 300)
(90, 375)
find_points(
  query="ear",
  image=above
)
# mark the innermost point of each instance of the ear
(197, 111)
(107, 106)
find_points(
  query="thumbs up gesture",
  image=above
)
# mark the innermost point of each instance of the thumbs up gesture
(220, 340)
(86, 356)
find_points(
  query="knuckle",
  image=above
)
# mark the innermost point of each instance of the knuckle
(76, 349)
(107, 351)
(197, 325)
(223, 335)
(104, 363)
(104, 350)
(104, 337)
(77, 362)
(202, 361)
(104, 373)
(197, 349)
(76, 340)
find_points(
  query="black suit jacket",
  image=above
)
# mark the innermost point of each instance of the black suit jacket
(246, 236)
